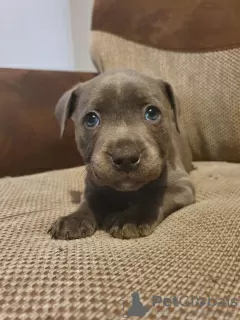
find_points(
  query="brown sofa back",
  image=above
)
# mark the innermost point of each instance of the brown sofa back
(195, 45)
(184, 25)
(29, 133)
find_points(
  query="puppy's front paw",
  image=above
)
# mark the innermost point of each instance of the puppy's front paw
(131, 231)
(72, 227)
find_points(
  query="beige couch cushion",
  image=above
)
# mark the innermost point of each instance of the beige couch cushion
(194, 252)
(207, 84)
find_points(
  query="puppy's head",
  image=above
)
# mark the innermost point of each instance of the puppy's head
(123, 126)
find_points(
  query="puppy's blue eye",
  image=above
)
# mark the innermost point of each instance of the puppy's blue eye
(152, 113)
(91, 120)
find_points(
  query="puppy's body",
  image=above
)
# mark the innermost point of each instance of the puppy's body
(128, 131)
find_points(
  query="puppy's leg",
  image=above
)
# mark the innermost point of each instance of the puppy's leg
(136, 221)
(142, 219)
(130, 230)
(177, 196)
(79, 224)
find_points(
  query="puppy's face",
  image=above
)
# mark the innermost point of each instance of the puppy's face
(123, 123)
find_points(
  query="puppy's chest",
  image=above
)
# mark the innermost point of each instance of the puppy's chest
(111, 201)
(108, 201)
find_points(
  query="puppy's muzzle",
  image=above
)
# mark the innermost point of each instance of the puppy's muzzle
(125, 156)
(126, 163)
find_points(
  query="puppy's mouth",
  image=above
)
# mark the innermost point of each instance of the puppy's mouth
(129, 185)
(119, 182)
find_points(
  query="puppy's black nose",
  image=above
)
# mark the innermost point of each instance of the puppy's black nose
(125, 161)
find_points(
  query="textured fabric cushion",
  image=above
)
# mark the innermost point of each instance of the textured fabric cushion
(207, 84)
(194, 252)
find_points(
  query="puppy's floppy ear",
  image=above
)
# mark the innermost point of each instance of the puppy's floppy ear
(66, 106)
(168, 91)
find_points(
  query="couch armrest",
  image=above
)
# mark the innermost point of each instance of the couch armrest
(29, 133)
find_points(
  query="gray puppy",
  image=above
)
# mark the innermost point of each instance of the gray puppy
(137, 158)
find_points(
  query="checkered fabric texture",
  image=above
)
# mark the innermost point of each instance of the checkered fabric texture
(194, 252)
(207, 85)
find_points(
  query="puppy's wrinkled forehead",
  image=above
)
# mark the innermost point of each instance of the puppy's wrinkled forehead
(129, 90)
